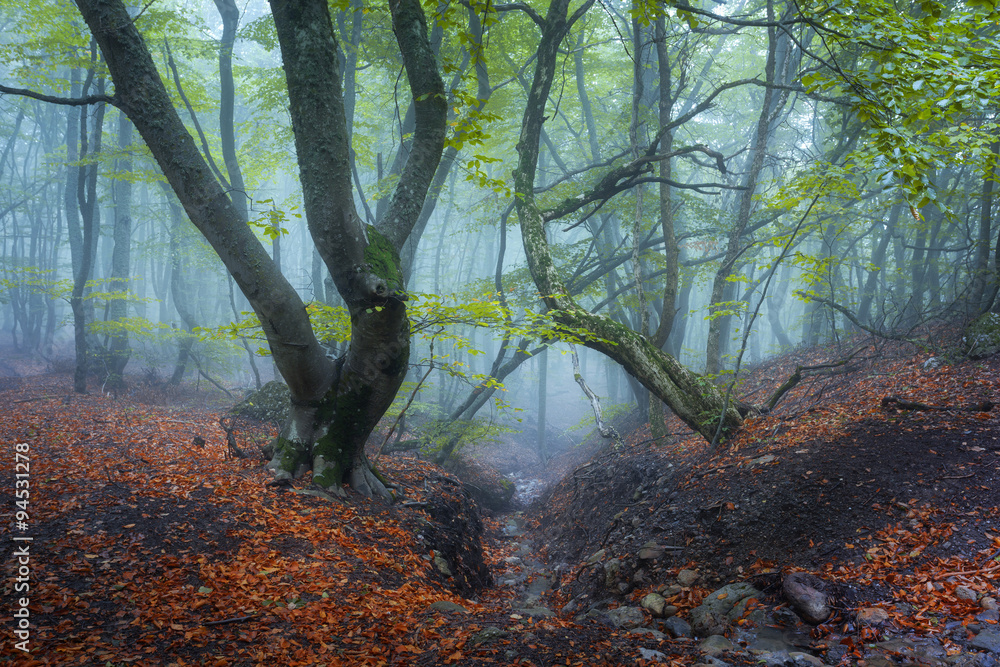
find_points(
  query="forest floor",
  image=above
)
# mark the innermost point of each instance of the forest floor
(150, 547)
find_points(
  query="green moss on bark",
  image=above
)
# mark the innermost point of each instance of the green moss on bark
(384, 260)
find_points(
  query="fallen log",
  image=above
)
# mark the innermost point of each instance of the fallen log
(896, 403)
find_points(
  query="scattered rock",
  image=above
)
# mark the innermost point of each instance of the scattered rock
(536, 612)
(988, 603)
(677, 627)
(626, 617)
(721, 608)
(487, 634)
(988, 640)
(806, 596)
(654, 603)
(447, 606)
(982, 336)
(919, 650)
(800, 658)
(597, 557)
(716, 644)
(931, 364)
(655, 634)
(872, 615)
(612, 569)
(442, 566)
(988, 616)
(687, 577)
(651, 551)
(650, 654)
(965, 593)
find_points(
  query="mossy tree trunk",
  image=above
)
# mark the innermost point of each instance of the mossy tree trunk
(695, 400)
(335, 403)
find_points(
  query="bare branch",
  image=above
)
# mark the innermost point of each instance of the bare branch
(66, 101)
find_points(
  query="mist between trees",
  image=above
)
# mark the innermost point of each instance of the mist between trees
(432, 207)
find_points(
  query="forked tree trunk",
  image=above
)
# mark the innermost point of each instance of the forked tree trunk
(335, 404)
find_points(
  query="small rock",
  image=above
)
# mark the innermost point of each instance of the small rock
(598, 556)
(654, 603)
(670, 610)
(487, 634)
(612, 569)
(872, 615)
(677, 627)
(626, 617)
(650, 654)
(988, 616)
(442, 565)
(687, 577)
(965, 593)
(447, 606)
(988, 603)
(801, 658)
(720, 608)
(650, 632)
(802, 591)
(512, 560)
(535, 612)
(931, 364)
(651, 551)
(715, 644)
(772, 658)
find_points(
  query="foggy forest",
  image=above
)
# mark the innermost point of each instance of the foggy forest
(429, 332)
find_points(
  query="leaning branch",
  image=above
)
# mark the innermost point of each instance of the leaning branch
(606, 430)
(67, 101)
(889, 335)
(832, 368)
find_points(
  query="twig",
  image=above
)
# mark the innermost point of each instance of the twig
(984, 570)
(37, 398)
(226, 621)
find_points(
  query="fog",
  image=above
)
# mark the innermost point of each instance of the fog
(706, 181)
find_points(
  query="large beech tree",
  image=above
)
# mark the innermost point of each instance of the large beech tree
(335, 403)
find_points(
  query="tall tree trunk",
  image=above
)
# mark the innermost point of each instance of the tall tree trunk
(985, 279)
(121, 260)
(86, 192)
(719, 323)
(543, 390)
(876, 264)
